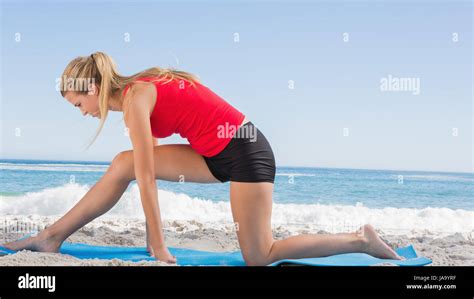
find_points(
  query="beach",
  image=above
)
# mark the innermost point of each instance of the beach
(434, 212)
(445, 250)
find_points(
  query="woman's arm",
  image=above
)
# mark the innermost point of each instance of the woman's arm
(137, 118)
(155, 143)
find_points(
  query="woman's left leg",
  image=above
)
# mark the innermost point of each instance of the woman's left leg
(251, 205)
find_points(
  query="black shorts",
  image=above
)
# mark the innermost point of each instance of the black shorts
(247, 158)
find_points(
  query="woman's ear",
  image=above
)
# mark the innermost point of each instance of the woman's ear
(92, 89)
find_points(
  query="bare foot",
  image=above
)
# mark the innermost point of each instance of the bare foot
(42, 243)
(374, 246)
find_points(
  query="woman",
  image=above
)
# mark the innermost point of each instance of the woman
(157, 103)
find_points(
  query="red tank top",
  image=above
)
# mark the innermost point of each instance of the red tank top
(206, 120)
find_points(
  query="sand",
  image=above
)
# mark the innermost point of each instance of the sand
(445, 250)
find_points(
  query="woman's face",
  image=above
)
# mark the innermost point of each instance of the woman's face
(87, 103)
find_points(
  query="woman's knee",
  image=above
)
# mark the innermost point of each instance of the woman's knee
(259, 257)
(256, 259)
(122, 166)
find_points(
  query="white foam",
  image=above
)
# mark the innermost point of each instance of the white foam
(58, 200)
(173, 206)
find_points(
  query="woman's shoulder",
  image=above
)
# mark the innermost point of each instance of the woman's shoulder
(140, 87)
(153, 84)
(143, 84)
(145, 93)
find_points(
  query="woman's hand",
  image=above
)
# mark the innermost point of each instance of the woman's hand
(159, 251)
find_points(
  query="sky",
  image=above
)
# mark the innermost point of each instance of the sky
(318, 78)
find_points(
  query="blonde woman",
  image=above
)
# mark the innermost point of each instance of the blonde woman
(157, 103)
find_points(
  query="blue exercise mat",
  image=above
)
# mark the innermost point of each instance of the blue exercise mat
(189, 257)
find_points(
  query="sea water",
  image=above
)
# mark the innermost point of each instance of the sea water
(321, 197)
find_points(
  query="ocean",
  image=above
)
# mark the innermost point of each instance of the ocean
(325, 198)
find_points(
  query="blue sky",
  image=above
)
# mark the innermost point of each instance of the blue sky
(336, 76)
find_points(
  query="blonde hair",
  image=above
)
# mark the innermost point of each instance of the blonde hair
(101, 69)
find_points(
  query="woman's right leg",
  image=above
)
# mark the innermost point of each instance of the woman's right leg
(173, 162)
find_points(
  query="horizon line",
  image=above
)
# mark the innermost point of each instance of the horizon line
(288, 166)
